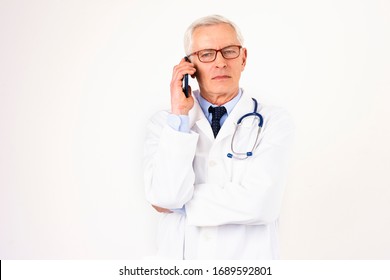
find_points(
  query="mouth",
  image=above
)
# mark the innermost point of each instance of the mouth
(221, 77)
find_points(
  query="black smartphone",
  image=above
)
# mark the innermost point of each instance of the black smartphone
(185, 81)
(185, 85)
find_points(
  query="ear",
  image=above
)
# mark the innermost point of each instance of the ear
(244, 56)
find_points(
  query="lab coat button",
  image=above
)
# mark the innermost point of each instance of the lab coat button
(212, 163)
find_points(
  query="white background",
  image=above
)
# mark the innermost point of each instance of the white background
(79, 80)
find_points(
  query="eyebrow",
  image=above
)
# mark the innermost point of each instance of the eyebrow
(228, 45)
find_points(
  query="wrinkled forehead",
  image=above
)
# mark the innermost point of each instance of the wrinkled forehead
(214, 37)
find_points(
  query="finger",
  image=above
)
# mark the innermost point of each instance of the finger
(180, 70)
(189, 91)
(178, 76)
(161, 209)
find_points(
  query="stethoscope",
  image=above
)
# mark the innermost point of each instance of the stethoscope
(245, 155)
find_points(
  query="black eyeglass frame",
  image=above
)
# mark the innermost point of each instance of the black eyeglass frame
(216, 53)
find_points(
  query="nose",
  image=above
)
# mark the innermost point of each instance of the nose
(220, 61)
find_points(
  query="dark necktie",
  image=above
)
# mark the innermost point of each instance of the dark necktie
(217, 113)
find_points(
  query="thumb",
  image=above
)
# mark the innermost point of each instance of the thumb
(189, 91)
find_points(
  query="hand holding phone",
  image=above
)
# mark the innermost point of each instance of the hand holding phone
(181, 95)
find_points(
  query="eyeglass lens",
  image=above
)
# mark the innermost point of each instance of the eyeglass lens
(209, 55)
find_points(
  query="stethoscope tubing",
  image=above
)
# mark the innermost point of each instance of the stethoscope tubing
(245, 155)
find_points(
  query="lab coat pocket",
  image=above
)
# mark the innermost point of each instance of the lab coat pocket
(245, 138)
(242, 149)
(238, 170)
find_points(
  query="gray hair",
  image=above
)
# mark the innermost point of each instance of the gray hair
(208, 21)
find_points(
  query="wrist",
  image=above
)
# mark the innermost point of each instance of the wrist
(179, 122)
(180, 111)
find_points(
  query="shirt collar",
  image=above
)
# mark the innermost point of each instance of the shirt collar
(204, 104)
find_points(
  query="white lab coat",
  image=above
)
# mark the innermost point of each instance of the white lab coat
(231, 206)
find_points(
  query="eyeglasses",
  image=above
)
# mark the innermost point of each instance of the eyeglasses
(209, 55)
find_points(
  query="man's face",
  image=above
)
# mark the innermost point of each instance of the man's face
(220, 77)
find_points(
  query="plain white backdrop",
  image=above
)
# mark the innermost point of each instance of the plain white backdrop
(80, 79)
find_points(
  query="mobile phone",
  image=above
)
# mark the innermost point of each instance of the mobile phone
(185, 81)
(185, 85)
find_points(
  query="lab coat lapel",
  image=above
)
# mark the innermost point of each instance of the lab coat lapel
(244, 106)
(198, 119)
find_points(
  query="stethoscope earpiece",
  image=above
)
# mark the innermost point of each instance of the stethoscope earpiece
(248, 154)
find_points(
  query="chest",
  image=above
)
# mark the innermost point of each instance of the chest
(211, 162)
